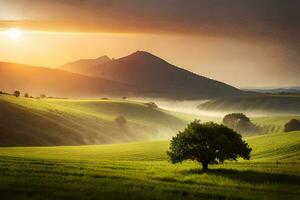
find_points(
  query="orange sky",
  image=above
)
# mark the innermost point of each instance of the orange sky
(246, 43)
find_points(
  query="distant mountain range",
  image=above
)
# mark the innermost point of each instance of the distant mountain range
(276, 90)
(140, 74)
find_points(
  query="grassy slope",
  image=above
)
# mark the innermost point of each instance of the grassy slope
(273, 124)
(141, 170)
(256, 104)
(25, 121)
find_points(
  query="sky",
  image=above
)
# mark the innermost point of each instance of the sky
(245, 43)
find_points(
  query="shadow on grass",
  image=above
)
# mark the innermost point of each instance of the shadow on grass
(253, 177)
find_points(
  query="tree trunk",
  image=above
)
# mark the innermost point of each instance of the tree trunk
(204, 166)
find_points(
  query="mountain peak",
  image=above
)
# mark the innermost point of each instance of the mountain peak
(104, 58)
(143, 54)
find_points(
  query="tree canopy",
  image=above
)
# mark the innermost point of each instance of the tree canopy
(239, 122)
(17, 93)
(207, 143)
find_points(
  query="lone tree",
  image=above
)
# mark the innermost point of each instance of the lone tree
(207, 143)
(292, 125)
(26, 95)
(17, 93)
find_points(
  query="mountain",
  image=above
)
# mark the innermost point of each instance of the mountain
(41, 80)
(83, 66)
(291, 90)
(156, 75)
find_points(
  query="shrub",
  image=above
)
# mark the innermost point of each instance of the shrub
(151, 105)
(292, 125)
(207, 143)
(120, 120)
(26, 95)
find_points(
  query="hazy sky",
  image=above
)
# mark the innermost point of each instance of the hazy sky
(246, 43)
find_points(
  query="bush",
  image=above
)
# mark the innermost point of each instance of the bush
(17, 93)
(151, 105)
(292, 125)
(26, 95)
(240, 123)
(207, 143)
(120, 120)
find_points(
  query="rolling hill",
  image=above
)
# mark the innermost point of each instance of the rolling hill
(36, 122)
(262, 104)
(155, 74)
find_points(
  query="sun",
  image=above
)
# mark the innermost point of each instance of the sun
(14, 33)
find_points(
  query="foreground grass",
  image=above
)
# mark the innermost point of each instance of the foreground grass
(141, 170)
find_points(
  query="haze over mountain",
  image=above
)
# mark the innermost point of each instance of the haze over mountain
(153, 74)
(41, 80)
(83, 66)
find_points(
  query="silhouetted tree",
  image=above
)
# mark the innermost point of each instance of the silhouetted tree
(239, 122)
(42, 96)
(17, 93)
(120, 120)
(292, 125)
(207, 143)
(26, 95)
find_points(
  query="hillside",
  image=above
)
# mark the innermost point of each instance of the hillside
(35, 122)
(276, 104)
(155, 74)
(83, 66)
(54, 82)
(273, 147)
(141, 171)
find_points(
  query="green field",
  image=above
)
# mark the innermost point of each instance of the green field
(273, 124)
(37, 122)
(141, 170)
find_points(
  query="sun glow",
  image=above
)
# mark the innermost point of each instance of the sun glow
(14, 33)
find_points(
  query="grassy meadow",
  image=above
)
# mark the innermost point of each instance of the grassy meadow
(38, 122)
(141, 170)
(136, 170)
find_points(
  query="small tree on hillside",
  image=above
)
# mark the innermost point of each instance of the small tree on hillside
(292, 125)
(17, 93)
(151, 105)
(207, 143)
(239, 122)
(120, 120)
(26, 95)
